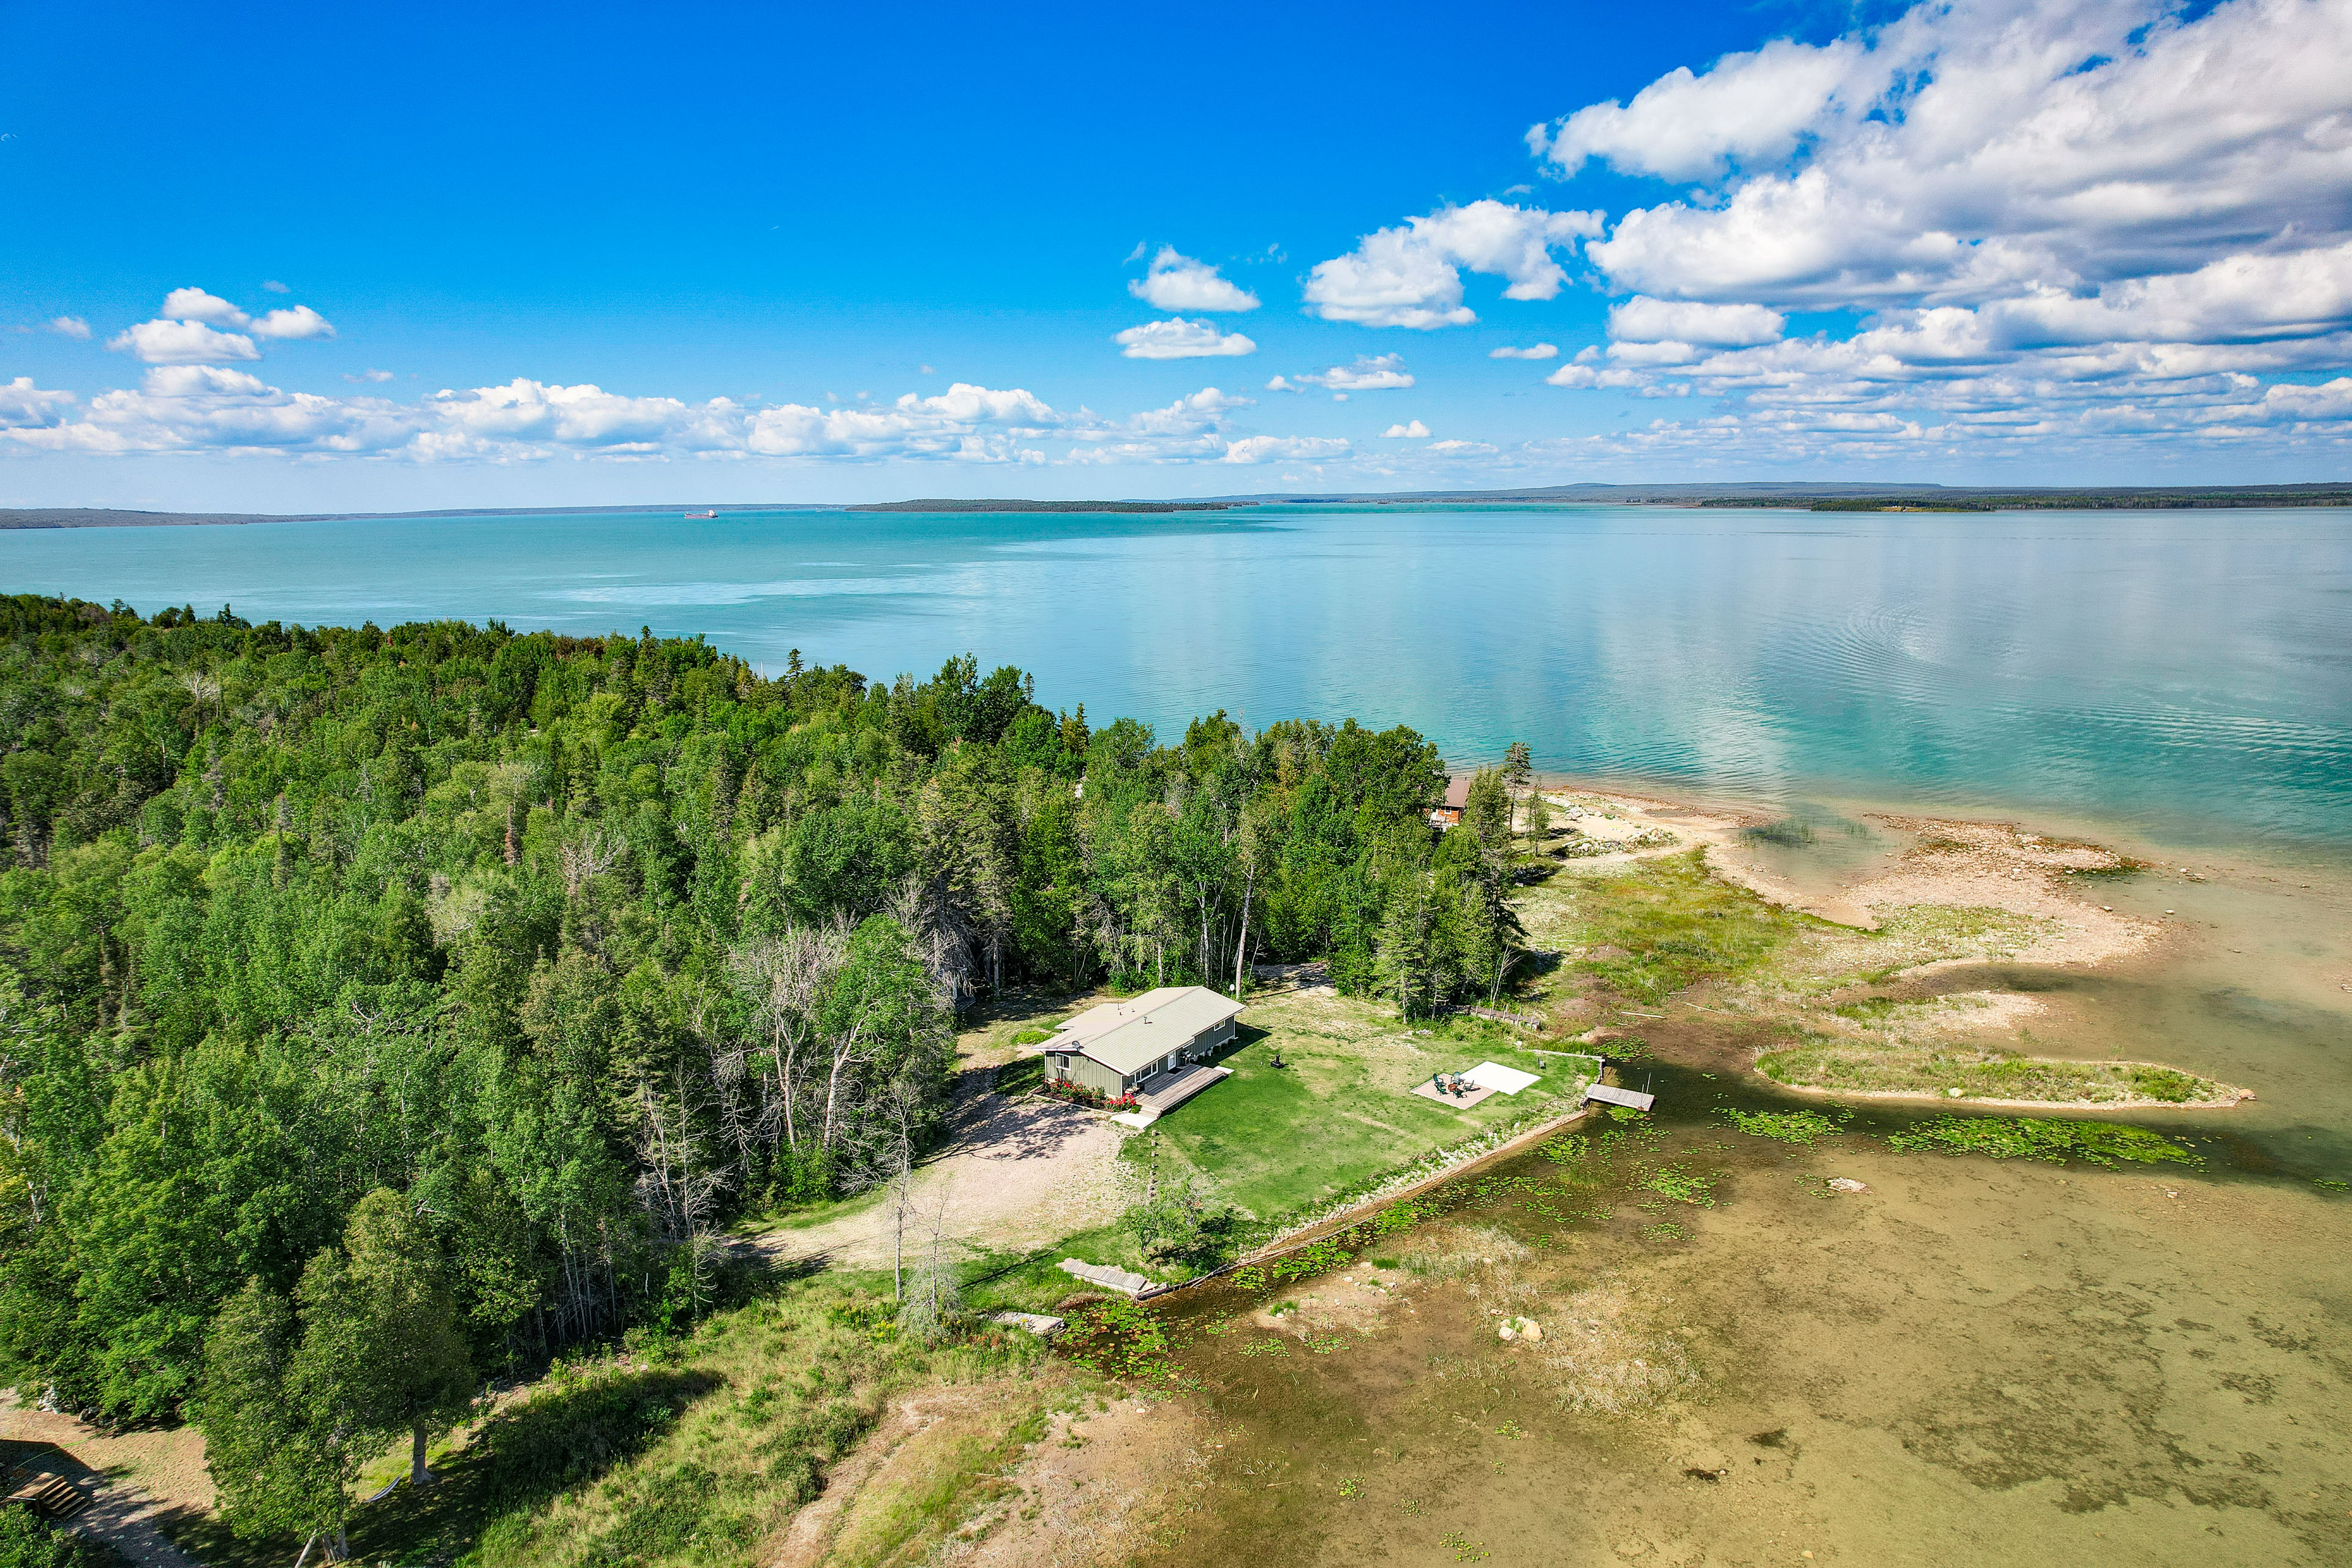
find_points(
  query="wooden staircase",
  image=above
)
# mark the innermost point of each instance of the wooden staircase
(46, 1493)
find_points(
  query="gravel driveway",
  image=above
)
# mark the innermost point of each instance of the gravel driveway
(1015, 1175)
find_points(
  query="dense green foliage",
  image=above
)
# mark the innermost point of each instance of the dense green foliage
(2019, 1138)
(574, 949)
(28, 1541)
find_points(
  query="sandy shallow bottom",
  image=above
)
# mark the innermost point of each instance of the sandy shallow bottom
(1968, 1362)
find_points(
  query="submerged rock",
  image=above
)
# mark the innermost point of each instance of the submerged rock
(1847, 1185)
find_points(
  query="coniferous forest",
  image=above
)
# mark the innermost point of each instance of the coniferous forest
(380, 1010)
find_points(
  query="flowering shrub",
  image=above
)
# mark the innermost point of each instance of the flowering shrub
(1079, 1094)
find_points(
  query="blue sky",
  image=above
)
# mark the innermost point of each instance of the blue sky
(509, 256)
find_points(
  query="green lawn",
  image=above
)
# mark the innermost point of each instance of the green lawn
(1337, 1112)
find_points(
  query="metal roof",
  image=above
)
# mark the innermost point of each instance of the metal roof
(1125, 1036)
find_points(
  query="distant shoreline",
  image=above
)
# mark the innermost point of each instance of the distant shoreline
(1792, 495)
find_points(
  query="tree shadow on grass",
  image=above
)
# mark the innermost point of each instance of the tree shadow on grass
(574, 1429)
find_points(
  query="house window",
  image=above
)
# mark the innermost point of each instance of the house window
(1061, 1064)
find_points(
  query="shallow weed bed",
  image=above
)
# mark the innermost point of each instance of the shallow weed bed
(2060, 1142)
(1803, 1127)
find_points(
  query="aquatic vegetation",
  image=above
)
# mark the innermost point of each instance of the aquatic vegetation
(1120, 1338)
(1665, 1230)
(1403, 1217)
(1805, 1127)
(1465, 1550)
(1681, 1185)
(2019, 1138)
(1315, 1257)
(1353, 1486)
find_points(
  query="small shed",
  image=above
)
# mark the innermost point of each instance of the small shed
(1114, 1048)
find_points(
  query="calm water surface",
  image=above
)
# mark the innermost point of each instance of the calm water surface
(2188, 674)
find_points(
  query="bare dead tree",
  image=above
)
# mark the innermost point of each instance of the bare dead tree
(931, 1301)
(589, 857)
(787, 978)
(943, 937)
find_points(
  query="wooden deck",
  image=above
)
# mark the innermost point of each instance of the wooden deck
(1163, 1092)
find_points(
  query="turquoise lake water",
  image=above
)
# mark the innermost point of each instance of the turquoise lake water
(2188, 674)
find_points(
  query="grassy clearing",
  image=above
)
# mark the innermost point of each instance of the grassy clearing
(1339, 1114)
(1834, 958)
(1661, 924)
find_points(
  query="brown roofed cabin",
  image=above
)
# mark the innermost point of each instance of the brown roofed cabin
(1458, 795)
(1130, 1048)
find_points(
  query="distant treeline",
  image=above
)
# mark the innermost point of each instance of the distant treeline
(2058, 501)
(1144, 506)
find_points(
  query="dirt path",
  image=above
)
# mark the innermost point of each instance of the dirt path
(1014, 1174)
(124, 1515)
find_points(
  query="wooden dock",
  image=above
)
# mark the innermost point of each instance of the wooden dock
(1610, 1094)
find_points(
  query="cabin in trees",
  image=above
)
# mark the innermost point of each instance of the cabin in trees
(1150, 1046)
(1449, 810)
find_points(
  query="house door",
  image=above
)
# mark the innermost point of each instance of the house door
(1173, 1056)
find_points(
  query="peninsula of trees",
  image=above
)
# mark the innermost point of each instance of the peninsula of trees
(380, 1010)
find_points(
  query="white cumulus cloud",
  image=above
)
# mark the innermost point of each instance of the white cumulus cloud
(1285, 449)
(1686, 127)
(192, 330)
(1534, 351)
(2095, 227)
(1179, 339)
(1642, 319)
(1978, 149)
(1412, 276)
(70, 327)
(183, 343)
(301, 321)
(211, 407)
(1177, 283)
(196, 305)
(1414, 431)
(24, 405)
(1375, 372)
